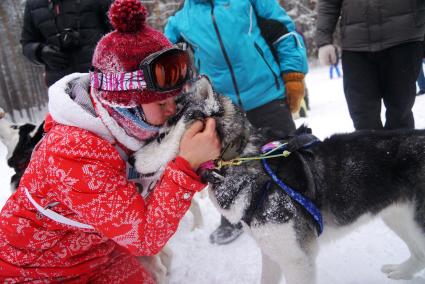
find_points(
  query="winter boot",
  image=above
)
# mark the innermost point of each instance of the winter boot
(226, 232)
(307, 99)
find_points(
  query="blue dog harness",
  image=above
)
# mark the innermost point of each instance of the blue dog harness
(271, 148)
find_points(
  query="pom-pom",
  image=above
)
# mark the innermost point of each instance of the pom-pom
(127, 16)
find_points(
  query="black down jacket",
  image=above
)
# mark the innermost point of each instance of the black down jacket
(371, 25)
(46, 20)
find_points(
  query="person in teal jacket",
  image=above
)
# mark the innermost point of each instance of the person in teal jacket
(231, 49)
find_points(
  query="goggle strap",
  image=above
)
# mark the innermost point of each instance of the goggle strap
(118, 81)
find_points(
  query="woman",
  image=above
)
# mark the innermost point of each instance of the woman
(76, 217)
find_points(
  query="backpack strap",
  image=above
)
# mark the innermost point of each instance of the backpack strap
(271, 30)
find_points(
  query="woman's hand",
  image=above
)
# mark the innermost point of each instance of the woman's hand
(200, 144)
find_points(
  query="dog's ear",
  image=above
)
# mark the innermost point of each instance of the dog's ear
(26, 129)
(204, 87)
(303, 129)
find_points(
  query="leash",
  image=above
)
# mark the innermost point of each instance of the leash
(220, 163)
(272, 147)
(238, 161)
(268, 151)
(298, 197)
(295, 195)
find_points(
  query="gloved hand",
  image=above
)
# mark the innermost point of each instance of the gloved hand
(295, 89)
(327, 54)
(53, 58)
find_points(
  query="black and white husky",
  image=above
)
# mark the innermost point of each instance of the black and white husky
(351, 178)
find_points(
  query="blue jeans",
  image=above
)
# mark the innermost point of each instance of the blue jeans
(421, 78)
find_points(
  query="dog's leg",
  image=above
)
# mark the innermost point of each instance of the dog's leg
(270, 270)
(401, 220)
(198, 221)
(280, 243)
(159, 265)
(166, 257)
(155, 267)
(297, 266)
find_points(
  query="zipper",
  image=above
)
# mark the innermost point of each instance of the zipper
(260, 51)
(226, 56)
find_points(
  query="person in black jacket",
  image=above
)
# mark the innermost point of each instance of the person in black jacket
(62, 34)
(381, 45)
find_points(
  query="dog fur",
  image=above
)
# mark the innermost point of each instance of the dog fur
(351, 178)
(20, 140)
(158, 265)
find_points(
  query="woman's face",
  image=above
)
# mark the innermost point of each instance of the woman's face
(157, 113)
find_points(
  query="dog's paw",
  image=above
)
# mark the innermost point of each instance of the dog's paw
(397, 271)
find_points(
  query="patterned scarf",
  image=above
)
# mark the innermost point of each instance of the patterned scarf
(133, 121)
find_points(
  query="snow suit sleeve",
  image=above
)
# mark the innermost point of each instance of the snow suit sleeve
(92, 183)
(328, 12)
(290, 47)
(31, 37)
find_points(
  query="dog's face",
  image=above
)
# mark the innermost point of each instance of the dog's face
(199, 101)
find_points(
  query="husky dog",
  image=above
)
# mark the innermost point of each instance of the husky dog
(350, 178)
(20, 140)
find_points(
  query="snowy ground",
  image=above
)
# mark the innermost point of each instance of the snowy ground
(355, 259)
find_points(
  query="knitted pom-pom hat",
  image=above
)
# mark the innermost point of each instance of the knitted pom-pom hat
(123, 49)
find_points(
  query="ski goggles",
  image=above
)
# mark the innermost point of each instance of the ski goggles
(162, 71)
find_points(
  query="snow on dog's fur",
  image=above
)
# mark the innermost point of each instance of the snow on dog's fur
(20, 140)
(351, 178)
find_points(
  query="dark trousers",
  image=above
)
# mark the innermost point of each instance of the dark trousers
(388, 75)
(273, 120)
(421, 78)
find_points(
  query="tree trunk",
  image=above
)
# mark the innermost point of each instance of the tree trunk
(22, 87)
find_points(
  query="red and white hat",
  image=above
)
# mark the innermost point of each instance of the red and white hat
(124, 49)
(121, 52)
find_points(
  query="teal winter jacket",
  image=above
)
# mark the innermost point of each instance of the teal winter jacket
(246, 65)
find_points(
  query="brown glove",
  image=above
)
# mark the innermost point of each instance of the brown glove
(294, 83)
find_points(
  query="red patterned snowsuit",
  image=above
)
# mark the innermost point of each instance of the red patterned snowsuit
(86, 175)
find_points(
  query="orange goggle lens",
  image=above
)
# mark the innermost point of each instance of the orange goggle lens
(170, 70)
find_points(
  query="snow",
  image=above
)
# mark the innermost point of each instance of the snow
(354, 259)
